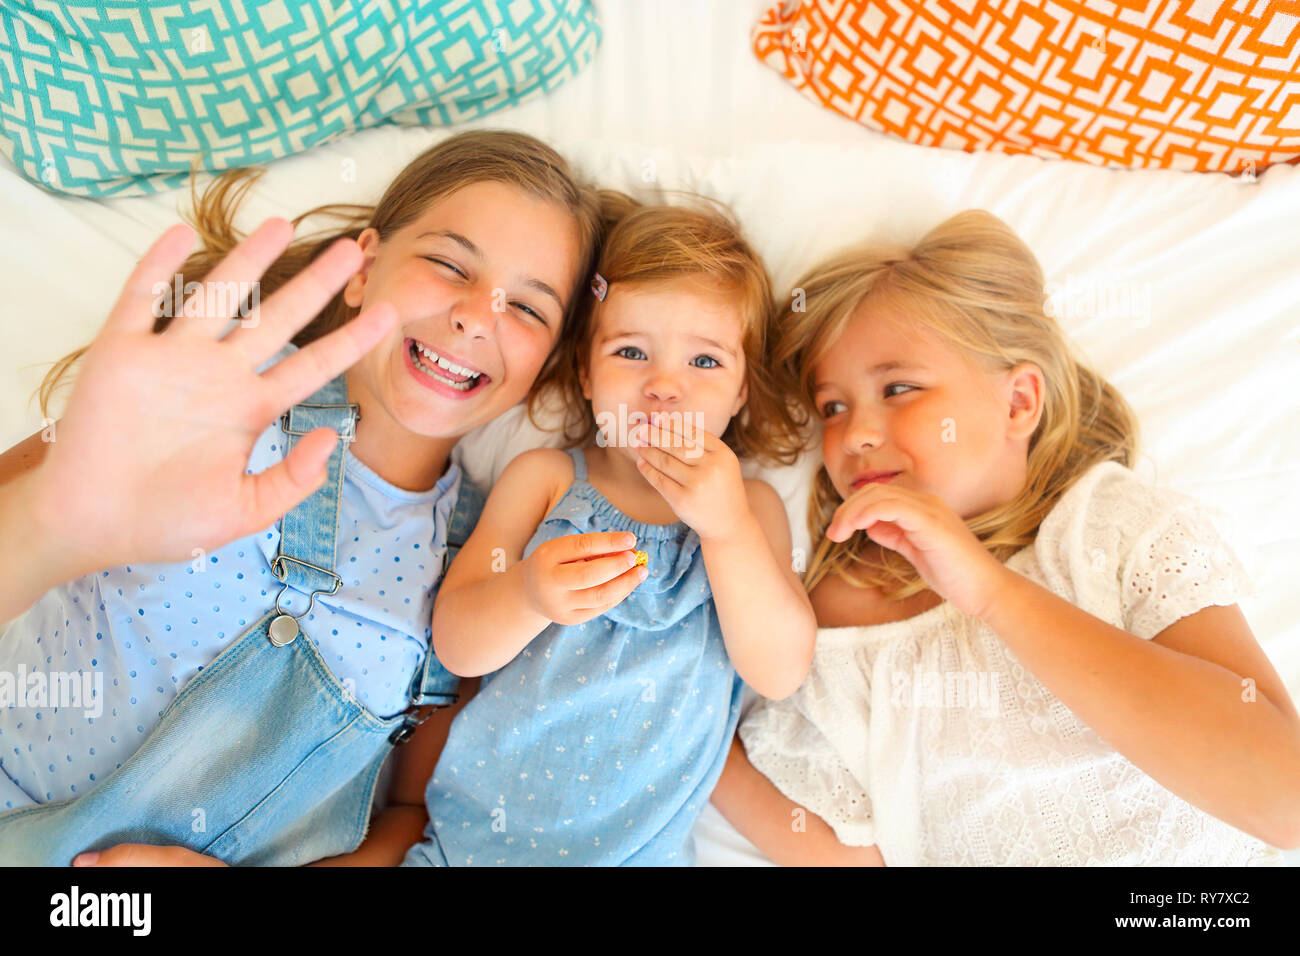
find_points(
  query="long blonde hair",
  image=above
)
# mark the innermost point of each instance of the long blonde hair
(646, 244)
(973, 282)
(475, 156)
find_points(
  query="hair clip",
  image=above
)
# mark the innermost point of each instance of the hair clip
(599, 286)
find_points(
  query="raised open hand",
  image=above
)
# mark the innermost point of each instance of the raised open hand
(147, 463)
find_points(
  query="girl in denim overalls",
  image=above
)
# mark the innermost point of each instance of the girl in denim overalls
(248, 699)
(613, 689)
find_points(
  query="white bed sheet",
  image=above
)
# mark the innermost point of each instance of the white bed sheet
(1203, 336)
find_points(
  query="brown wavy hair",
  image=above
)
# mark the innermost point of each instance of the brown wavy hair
(474, 156)
(972, 281)
(645, 244)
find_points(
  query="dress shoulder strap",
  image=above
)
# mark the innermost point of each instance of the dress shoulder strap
(579, 463)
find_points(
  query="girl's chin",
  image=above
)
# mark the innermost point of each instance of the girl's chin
(439, 420)
(623, 451)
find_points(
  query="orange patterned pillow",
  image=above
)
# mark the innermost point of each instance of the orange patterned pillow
(1187, 84)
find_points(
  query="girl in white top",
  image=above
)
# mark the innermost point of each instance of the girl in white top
(1026, 655)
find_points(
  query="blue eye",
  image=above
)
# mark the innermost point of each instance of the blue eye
(897, 385)
(629, 348)
(709, 358)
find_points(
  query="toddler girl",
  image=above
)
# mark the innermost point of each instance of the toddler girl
(612, 689)
(1026, 655)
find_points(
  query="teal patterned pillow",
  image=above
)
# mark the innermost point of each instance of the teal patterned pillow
(119, 97)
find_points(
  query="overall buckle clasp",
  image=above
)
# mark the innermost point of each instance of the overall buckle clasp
(413, 718)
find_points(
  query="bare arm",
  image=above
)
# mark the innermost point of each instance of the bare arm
(24, 456)
(30, 560)
(27, 571)
(492, 602)
(482, 618)
(786, 832)
(1199, 707)
(767, 621)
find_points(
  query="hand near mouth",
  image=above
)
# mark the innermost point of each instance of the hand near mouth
(930, 535)
(695, 471)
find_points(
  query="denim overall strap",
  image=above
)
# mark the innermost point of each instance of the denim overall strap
(309, 538)
(309, 533)
(433, 684)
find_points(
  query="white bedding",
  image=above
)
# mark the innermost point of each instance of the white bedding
(1202, 335)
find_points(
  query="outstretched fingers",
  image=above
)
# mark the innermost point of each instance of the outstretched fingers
(274, 322)
(134, 309)
(207, 310)
(306, 370)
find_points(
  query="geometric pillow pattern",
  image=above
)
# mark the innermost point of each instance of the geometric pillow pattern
(118, 98)
(1183, 84)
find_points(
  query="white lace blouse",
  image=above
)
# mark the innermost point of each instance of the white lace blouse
(928, 738)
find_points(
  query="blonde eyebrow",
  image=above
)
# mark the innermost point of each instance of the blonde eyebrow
(889, 365)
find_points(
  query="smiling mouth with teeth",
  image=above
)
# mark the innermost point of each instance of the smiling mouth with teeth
(440, 369)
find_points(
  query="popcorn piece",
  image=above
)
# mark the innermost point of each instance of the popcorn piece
(641, 558)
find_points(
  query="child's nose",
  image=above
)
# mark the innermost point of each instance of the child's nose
(864, 431)
(663, 387)
(475, 314)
